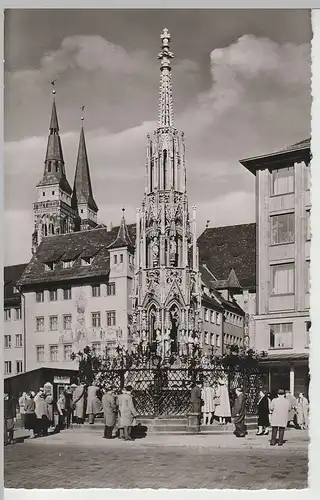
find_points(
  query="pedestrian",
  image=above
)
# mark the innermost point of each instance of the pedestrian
(126, 412)
(239, 413)
(22, 403)
(292, 410)
(68, 405)
(208, 407)
(30, 422)
(9, 414)
(195, 399)
(61, 403)
(263, 413)
(48, 391)
(279, 408)
(93, 403)
(78, 403)
(109, 406)
(302, 411)
(222, 402)
(41, 413)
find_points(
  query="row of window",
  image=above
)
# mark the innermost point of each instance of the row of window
(282, 180)
(67, 293)
(282, 278)
(212, 316)
(8, 343)
(67, 321)
(8, 367)
(212, 339)
(12, 313)
(282, 228)
(229, 340)
(53, 353)
(233, 319)
(85, 262)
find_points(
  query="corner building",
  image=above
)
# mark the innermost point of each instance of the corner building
(283, 206)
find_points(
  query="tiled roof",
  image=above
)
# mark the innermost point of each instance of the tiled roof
(230, 247)
(11, 275)
(210, 301)
(123, 238)
(73, 246)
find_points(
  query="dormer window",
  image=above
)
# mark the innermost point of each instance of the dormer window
(50, 266)
(67, 264)
(86, 261)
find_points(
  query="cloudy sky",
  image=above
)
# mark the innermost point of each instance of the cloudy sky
(241, 86)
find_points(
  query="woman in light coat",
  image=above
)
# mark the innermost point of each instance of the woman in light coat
(109, 405)
(208, 407)
(223, 409)
(279, 408)
(126, 413)
(302, 411)
(78, 403)
(93, 403)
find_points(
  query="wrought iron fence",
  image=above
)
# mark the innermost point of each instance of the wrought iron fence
(161, 392)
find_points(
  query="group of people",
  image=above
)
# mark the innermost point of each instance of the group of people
(280, 412)
(214, 403)
(41, 415)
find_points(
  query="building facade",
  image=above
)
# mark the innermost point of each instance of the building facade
(283, 207)
(13, 353)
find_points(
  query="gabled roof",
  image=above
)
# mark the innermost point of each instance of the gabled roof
(300, 151)
(82, 188)
(230, 247)
(11, 275)
(92, 243)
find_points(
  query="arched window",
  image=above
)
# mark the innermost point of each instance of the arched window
(152, 321)
(151, 175)
(51, 228)
(49, 166)
(165, 168)
(44, 230)
(57, 166)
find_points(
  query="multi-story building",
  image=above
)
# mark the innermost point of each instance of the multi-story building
(13, 354)
(86, 285)
(283, 263)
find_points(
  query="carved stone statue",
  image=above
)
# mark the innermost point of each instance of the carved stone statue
(155, 250)
(167, 342)
(173, 249)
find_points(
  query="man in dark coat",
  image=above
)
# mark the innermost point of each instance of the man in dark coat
(239, 413)
(9, 414)
(195, 399)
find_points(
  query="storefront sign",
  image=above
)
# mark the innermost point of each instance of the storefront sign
(61, 380)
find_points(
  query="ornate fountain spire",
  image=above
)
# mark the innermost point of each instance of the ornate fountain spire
(165, 91)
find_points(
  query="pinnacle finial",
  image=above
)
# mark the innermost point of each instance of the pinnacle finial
(165, 94)
(53, 86)
(82, 117)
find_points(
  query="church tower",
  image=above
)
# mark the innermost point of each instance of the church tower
(82, 197)
(167, 286)
(52, 211)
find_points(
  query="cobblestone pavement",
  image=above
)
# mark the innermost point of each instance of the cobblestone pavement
(82, 459)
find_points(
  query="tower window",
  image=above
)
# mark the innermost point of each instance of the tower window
(57, 167)
(52, 193)
(49, 166)
(115, 258)
(81, 211)
(43, 193)
(121, 258)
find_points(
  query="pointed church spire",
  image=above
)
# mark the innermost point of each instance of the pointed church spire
(82, 189)
(165, 92)
(54, 168)
(123, 238)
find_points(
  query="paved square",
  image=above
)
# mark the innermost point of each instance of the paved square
(82, 459)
